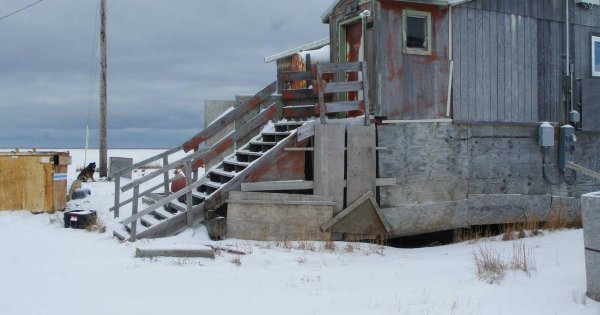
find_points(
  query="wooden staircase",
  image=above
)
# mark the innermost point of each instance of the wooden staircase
(209, 192)
(166, 213)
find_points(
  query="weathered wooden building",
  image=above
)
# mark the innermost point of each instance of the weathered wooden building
(454, 91)
(461, 106)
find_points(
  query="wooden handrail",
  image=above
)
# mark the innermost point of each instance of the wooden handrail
(207, 154)
(146, 161)
(231, 116)
(197, 158)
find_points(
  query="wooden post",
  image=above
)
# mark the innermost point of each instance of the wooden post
(134, 209)
(321, 84)
(117, 193)
(166, 175)
(188, 196)
(102, 125)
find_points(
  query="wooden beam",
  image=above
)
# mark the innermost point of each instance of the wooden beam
(340, 87)
(186, 251)
(295, 76)
(302, 184)
(341, 67)
(222, 122)
(583, 170)
(285, 202)
(345, 106)
(278, 185)
(306, 131)
(312, 149)
(338, 217)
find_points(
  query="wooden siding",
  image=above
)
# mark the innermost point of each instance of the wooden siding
(509, 59)
(496, 70)
(410, 86)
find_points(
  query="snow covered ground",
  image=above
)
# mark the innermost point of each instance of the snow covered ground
(47, 269)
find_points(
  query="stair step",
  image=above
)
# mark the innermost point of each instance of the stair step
(235, 166)
(164, 213)
(120, 232)
(177, 205)
(221, 176)
(247, 156)
(263, 143)
(213, 184)
(260, 146)
(276, 133)
(288, 125)
(149, 220)
(223, 173)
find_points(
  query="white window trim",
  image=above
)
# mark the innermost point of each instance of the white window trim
(416, 51)
(595, 40)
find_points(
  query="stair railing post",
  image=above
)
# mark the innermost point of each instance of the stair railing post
(188, 195)
(117, 193)
(134, 210)
(166, 175)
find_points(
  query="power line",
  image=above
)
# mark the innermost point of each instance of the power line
(29, 6)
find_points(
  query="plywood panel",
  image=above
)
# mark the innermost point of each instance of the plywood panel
(27, 182)
(361, 170)
(329, 162)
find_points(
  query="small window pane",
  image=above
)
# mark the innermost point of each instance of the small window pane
(416, 32)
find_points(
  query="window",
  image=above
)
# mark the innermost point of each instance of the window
(417, 32)
(596, 55)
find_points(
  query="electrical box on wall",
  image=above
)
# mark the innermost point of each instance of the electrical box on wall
(566, 145)
(546, 135)
(596, 2)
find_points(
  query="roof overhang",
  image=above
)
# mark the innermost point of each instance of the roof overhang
(314, 45)
(325, 16)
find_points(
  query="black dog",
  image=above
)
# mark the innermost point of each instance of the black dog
(87, 173)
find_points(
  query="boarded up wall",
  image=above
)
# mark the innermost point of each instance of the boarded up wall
(445, 162)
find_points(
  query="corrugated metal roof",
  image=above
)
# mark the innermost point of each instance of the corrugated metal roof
(325, 16)
(314, 45)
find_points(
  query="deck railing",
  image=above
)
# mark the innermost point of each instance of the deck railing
(192, 161)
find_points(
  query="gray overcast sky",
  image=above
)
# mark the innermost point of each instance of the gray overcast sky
(164, 57)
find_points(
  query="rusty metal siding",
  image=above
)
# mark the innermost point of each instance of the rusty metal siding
(411, 86)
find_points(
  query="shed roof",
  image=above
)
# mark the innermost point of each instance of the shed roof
(327, 14)
(314, 45)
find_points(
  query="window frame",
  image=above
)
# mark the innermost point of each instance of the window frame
(595, 41)
(414, 13)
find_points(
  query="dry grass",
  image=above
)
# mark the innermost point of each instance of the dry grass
(473, 235)
(329, 246)
(491, 268)
(559, 219)
(523, 259)
(489, 265)
(236, 260)
(349, 248)
(306, 245)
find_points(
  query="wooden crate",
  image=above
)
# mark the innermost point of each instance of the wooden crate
(34, 181)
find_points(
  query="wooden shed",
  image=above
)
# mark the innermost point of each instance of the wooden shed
(34, 181)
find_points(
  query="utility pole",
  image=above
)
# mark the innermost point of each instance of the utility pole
(102, 125)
